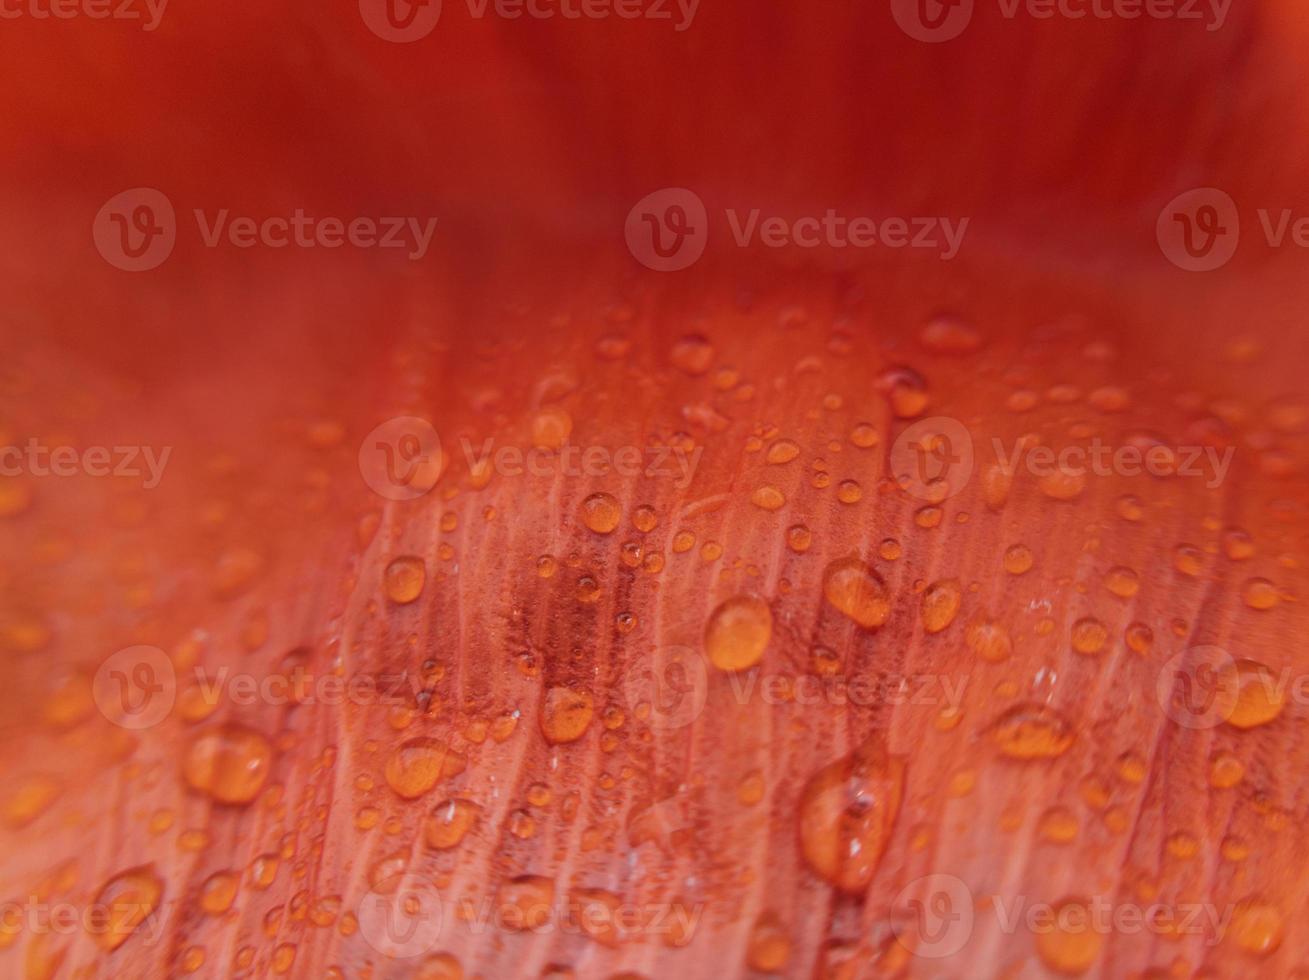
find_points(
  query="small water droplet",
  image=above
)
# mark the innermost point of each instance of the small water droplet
(855, 590)
(738, 633)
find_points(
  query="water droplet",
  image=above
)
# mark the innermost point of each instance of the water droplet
(849, 492)
(449, 822)
(404, 579)
(989, 640)
(854, 589)
(230, 764)
(768, 497)
(940, 604)
(996, 483)
(1018, 559)
(782, 451)
(418, 764)
(905, 390)
(128, 899)
(738, 632)
(847, 812)
(865, 436)
(31, 798)
(1062, 484)
(1257, 927)
(1188, 559)
(1225, 771)
(1139, 637)
(1238, 544)
(1131, 767)
(218, 892)
(751, 788)
(769, 948)
(1259, 593)
(1032, 731)
(551, 427)
(645, 519)
(526, 902)
(1089, 635)
(566, 714)
(1259, 694)
(692, 354)
(1071, 944)
(1059, 825)
(949, 334)
(1122, 581)
(1109, 399)
(601, 513)
(798, 538)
